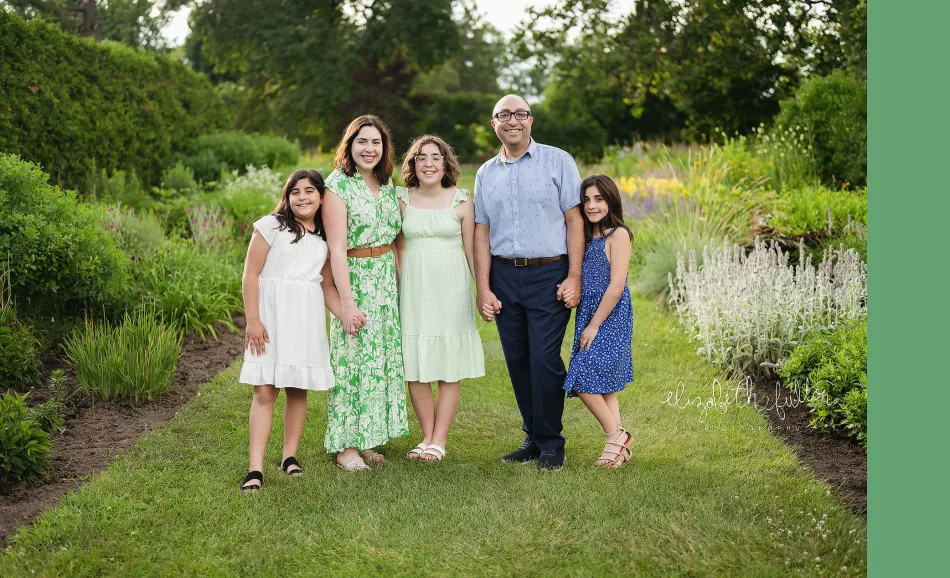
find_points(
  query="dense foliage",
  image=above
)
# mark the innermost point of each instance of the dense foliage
(58, 257)
(830, 370)
(24, 446)
(77, 107)
(18, 351)
(834, 111)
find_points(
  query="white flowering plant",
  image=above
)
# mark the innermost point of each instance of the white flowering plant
(749, 311)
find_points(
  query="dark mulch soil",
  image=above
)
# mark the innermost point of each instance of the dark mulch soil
(837, 459)
(96, 431)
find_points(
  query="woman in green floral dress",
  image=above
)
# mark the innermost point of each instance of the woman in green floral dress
(361, 216)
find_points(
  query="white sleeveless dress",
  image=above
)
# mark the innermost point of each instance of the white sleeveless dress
(293, 313)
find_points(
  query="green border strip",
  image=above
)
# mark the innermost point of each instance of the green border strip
(908, 393)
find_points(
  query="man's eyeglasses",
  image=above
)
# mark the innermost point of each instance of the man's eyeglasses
(505, 115)
(425, 159)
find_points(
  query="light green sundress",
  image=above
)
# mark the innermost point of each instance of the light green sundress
(440, 339)
(367, 406)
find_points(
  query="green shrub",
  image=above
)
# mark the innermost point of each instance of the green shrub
(18, 350)
(59, 258)
(833, 110)
(806, 210)
(235, 151)
(49, 414)
(24, 446)
(830, 370)
(179, 178)
(77, 107)
(121, 187)
(134, 360)
(192, 288)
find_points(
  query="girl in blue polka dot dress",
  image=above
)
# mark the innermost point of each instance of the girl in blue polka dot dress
(601, 360)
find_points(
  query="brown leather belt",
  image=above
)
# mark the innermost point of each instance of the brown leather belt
(368, 251)
(529, 261)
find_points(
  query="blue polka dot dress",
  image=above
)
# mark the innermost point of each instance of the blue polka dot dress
(607, 366)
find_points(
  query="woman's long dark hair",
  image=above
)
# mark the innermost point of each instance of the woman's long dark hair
(606, 187)
(284, 212)
(343, 159)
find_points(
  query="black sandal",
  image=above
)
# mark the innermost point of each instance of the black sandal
(291, 461)
(251, 476)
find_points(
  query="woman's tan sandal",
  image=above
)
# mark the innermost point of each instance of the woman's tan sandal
(371, 456)
(620, 457)
(437, 453)
(416, 452)
(352, 465)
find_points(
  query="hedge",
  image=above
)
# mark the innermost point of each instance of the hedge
(58, 257)
(77, 107)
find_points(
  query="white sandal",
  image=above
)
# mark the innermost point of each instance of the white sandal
(417, 451)
(434, 450)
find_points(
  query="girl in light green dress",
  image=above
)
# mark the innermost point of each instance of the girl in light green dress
(440, 339)
(361, 215)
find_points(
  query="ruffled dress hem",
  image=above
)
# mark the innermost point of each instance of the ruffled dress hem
(280, 376)
(456, 357)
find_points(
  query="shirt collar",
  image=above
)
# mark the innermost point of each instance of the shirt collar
(532, 148)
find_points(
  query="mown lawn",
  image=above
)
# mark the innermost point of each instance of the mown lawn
(720, 498)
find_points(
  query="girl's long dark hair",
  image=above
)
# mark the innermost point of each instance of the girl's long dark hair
(285, 214)
(343, 159)
(606, 187)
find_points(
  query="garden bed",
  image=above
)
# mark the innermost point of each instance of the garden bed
(96, 431)
(837, 459)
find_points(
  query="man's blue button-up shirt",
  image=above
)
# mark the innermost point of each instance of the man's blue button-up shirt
(524, 201)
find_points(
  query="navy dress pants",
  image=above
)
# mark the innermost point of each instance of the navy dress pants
(531, 326)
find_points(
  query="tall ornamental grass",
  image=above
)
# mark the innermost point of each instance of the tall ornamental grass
(749, 312)
(193, 289)
(714, 204)
(134, 360)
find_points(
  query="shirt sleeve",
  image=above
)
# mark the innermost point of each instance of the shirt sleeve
(570, 194)
(336, 183)
(481, 215)
(267, 227)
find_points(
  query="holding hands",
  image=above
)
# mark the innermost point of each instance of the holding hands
(353, 318)
(488, 305)
(255, 337)
(569, 291)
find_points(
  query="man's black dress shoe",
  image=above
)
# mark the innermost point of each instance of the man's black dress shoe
(524, 454)
(550, 461)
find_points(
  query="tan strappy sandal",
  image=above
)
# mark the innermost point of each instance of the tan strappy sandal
(622, 456)
(372, 456)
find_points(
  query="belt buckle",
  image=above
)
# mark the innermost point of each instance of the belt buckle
(524, 261)
(374, 251)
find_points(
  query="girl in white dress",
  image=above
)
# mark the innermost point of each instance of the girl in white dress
(286, 280)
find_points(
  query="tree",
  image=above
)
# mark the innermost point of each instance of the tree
(133, 22)
(314, 66)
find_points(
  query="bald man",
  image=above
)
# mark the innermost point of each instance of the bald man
(529, 246)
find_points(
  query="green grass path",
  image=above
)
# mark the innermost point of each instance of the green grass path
(722, 497)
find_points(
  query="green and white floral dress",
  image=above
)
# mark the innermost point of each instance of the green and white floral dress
(368, 404)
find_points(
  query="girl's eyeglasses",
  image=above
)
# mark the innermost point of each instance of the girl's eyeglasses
(426, 159)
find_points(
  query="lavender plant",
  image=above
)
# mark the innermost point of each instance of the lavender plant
(749, 311)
